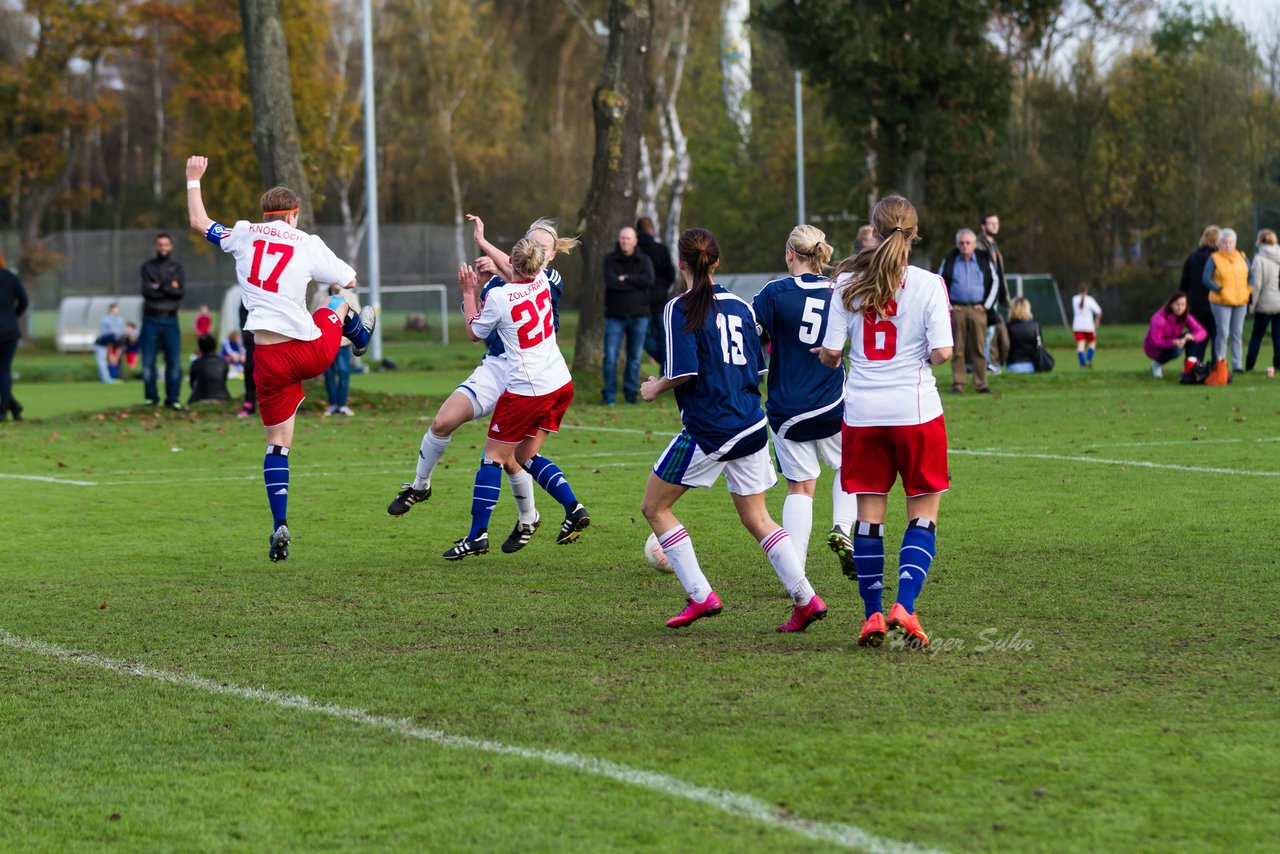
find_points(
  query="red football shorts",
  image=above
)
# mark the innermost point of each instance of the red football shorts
(873, 457)
(279, 369)
(1086, 336)
(517, 417)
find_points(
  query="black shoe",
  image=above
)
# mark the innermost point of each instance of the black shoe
(175, 406)
(15, 409)
(152, 403)
(838, 541)
(280, 544)
(575, 522)
(520, 535)
(368, 319)
(466, 547)
(408, 497)
(986, 390)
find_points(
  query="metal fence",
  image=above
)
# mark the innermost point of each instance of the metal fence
(107, 263)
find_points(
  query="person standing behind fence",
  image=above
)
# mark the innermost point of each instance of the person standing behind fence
(163, 286)
(664, 275)
(971, 284)
(1192, 284)
(997, 332)
(628, 278)
(1228, 277)
(13, 303)
(1266, 305)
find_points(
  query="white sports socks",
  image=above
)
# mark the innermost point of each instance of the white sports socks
(678, 548)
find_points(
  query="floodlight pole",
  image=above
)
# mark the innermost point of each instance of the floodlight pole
(371, 178)
(801, 214)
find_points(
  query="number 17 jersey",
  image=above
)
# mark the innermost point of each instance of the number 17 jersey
(274, 263)
(523, 315)
(890, 381)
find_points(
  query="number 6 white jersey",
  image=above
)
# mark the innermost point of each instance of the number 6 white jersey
(523, 314)
(274, 264)
(890, 381)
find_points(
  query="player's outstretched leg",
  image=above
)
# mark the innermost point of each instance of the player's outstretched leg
(459, 408)
(275, 475)
(357, 328)
(919, 545)
(868, 560)
(548, 476)
(484, 498)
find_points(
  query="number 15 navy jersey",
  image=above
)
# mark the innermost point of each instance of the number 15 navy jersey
(804, 395)
(720, 404)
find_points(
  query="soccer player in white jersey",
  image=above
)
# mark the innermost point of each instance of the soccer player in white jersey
(477, 395)
(538, 393)
(275, 261)
(896, 320)
(713, 363)
(805, 396)
(1086, 314)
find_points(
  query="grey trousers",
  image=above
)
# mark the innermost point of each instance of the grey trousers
(1230, 321)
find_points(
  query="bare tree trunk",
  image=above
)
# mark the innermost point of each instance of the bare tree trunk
(618, 105)
(275, 126)
(157, 151)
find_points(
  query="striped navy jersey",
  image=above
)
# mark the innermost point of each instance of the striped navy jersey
(720, 404)
(804, 395)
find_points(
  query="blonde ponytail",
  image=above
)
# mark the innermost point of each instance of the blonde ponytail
(876, 273)
(810, 244)
(548, 225)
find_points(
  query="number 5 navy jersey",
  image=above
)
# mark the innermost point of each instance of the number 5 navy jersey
(804, 395)
(720, 404)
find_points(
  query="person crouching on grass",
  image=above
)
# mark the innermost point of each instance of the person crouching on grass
(897, 321)
(538, 393)
(714, 362)
(275, 261)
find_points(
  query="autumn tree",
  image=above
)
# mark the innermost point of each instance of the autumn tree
(618, 104)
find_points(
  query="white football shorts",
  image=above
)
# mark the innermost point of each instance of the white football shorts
(686, 464)
(799, 461)
(486, 384)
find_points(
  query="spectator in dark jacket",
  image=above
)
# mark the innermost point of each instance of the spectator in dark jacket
(997, 334)
(1024, 339)
(973, 288)
(628, 280)
(664, 275)
(13, 303)
(209, 373)
(163, 285)
(1192, 284)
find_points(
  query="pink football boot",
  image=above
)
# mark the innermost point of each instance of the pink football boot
(696, 611)
(803, 615)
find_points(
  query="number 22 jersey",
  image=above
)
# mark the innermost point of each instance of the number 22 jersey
(274, 263)
(523, 314)
(890, 381)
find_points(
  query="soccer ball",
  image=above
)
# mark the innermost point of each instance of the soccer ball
(653, 554)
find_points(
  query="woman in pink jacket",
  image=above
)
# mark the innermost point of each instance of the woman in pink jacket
(1172, 329)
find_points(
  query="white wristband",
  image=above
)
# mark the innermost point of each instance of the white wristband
(193, 185)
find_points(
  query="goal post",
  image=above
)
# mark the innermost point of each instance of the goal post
(1043, 292)
(402, 305)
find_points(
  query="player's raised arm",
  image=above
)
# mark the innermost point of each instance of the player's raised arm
(500, 259)
(200, 220)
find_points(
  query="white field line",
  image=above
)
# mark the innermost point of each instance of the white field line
(733, 803)
(1259, 440)
(43, 479)
(1128, 463)
(181, 478)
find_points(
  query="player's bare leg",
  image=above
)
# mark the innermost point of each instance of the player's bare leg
(776, 543)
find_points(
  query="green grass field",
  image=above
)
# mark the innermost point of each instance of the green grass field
(1103, 609)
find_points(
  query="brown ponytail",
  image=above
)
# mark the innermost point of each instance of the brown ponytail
(701, 255)
(876, 273)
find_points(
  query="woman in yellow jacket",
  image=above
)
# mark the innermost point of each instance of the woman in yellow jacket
(1230, 283)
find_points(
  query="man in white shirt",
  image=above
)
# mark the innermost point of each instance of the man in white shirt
(275, 262)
